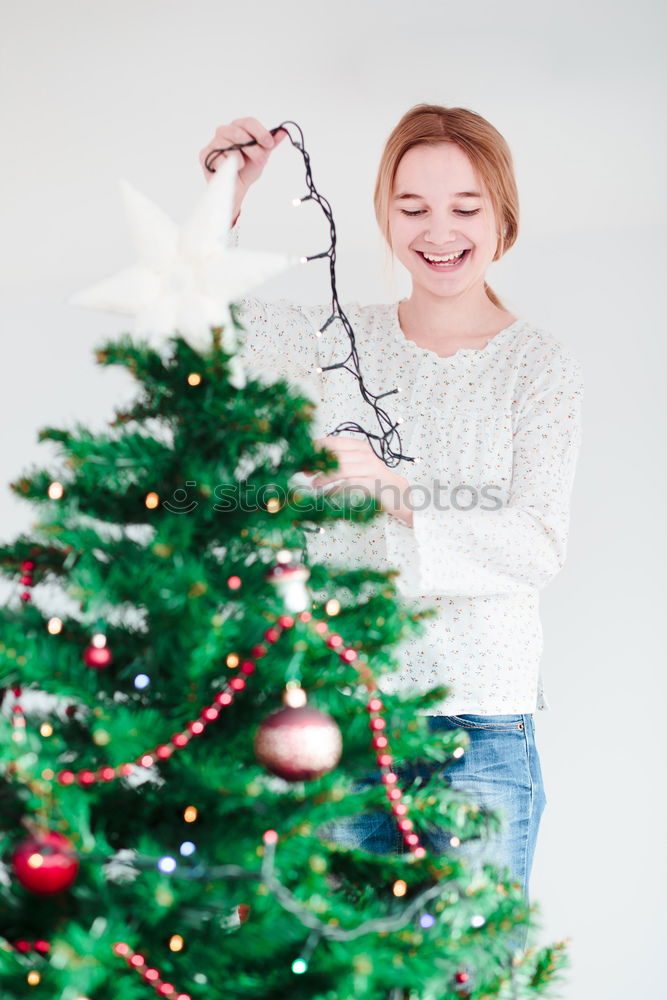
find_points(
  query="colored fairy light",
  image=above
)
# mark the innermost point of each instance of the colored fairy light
(99, 640)
(187, 848)
(427, 920)
(141, 681)
(299, 966)
(35, 861)
(455, 842)
(295, 697)
(33, 978)
(151, 500)
(477, 920)
(232, 660)
(46, 729)
(283, 556)
(54, 626)
(167, 864)
(190, 814)
(332, 607)
(55, 490)
(273, 505)
(176, 942)
(194, 378)
(399, 887)
(234, 582)
(270, 837)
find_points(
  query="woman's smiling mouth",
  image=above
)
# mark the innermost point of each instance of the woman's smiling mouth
(444, 262)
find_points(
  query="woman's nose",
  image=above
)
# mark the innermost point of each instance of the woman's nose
(440, 232)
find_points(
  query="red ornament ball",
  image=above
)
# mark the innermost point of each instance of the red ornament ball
(45, 863)
(97, 657)
(298, 744)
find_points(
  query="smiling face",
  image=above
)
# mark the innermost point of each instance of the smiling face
(430, 215)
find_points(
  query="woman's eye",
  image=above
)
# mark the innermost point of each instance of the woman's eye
(461, 211)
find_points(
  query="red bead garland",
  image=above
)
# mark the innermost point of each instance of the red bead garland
(150, 975)
(26, 578)
(210, 713)
(18, 717)
(379, 742)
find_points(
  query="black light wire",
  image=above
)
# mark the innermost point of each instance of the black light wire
(386, 452)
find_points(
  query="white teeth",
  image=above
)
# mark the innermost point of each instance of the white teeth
(442, 260)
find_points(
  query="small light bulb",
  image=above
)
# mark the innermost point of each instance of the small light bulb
(399, 887)
(303, 260)
(194, 378)
(332, 607)
(427, 920)
(190, 814)
(455, 842)
(176, 942)
(141, 681)
(295, 697)
(296, 202)
(167, 865)
(187, 848)
(55, 490)
(477, 920)
(35, 861)
(152, 500)
(283, 556)
(99, 640)
(232, 660)
(33, 978)
(46, 729)
(273, 505)
(54, 626)
(318, 370)
(299, 966)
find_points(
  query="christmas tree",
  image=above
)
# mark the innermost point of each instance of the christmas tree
(190, 705)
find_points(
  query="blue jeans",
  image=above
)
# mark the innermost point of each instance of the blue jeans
(500, 770)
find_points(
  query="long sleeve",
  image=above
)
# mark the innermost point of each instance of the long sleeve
(520, 546)
(280, 337)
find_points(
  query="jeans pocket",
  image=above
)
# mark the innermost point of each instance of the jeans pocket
(492, 723)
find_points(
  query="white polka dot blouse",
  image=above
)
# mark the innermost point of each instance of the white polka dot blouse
(497, 432)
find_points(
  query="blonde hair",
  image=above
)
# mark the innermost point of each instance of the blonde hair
(487, 150)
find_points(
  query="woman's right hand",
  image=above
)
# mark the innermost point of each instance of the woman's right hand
(254, 158)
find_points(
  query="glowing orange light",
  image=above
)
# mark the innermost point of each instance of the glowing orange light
(54, 626)
(194, 378)
(152, 500)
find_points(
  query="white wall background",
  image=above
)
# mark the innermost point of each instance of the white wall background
(95, 91)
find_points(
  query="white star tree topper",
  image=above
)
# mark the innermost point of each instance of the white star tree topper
(185, 279)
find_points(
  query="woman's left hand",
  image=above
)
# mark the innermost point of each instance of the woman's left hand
(358, 465)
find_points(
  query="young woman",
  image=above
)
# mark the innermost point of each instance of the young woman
(491, 406)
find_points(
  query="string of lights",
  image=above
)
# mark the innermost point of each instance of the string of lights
(289, 902)
(387, 444)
